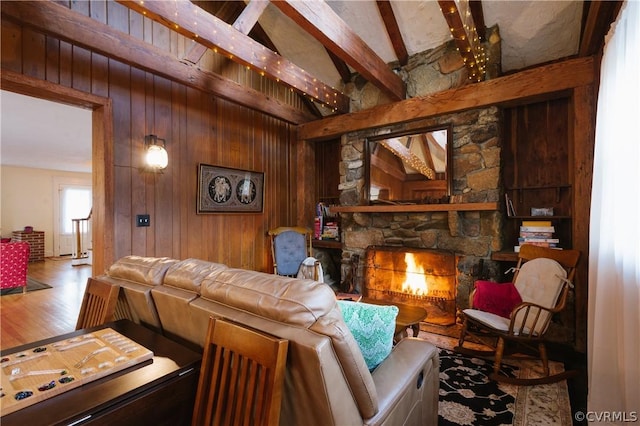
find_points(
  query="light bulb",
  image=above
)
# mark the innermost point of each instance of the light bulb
(157, 157)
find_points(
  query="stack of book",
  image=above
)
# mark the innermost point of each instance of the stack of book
(537, 233)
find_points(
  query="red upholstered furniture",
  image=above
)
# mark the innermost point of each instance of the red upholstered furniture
(14, 259)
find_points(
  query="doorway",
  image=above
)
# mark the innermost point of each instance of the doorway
(102, 153)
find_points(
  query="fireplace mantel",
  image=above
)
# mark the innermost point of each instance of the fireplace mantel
(396, 208)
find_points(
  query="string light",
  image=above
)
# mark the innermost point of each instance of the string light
(464, 32)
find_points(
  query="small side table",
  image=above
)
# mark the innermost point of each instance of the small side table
(408, 316)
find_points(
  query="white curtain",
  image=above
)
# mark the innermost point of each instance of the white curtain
(614, 259)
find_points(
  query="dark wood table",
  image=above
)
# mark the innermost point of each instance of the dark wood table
(408, 316)
(160, 391)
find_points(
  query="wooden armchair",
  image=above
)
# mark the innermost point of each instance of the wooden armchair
(542, 279)
(14, 263)
(241, 377)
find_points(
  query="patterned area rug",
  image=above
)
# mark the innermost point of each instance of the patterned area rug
(469, 397)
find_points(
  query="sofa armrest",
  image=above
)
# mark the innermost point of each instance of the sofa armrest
(407, 383)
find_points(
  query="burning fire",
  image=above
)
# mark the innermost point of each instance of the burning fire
(415, 282)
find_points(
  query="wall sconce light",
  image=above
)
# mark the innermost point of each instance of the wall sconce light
(156, 157)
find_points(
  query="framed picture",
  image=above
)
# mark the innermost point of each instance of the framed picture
(223, 190)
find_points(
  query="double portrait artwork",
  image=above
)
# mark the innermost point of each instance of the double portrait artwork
(222, 189)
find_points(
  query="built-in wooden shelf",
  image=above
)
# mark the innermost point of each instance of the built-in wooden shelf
(504, 256)
(539, 217)
(394, 208)
(331, 244)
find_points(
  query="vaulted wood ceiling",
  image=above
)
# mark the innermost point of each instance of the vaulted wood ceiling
(366, 37)
(245, 40)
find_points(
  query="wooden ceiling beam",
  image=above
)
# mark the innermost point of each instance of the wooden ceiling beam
(249, 16)
(599, 16)
(80, 30)
(515, 89)
(394, 169)
(233, 11)
(244, 23)
(227, 12)
(478, 18)
(321, 22)
(391, 24)
(191, 21)
(341, 66)
(230, 11)
(460, 21)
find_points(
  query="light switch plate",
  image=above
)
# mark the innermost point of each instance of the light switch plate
(143, 220)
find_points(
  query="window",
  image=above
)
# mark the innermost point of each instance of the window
(75, 203)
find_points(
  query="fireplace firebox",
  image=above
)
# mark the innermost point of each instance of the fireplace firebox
(413, 276)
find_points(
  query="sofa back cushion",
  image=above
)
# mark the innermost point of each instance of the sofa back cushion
(303, 303)
(188, 274)
(284, 299)
(143, 270)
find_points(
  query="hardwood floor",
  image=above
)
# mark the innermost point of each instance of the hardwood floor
(25, 318)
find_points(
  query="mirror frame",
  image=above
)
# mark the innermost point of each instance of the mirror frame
(368, 151)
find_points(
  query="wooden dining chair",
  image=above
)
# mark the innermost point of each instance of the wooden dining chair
(98, 304)
(241, 377)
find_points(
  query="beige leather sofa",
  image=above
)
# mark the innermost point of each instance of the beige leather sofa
(327, 380)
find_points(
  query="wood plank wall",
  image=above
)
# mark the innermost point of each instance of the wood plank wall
(198, 127)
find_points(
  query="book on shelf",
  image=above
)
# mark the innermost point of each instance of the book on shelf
(531, 243)
(317, 227)
(517, 248)
(539, 229)
(511, 211)
(523, 240)
(537, 223)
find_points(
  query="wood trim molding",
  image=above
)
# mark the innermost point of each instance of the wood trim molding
(407, 208)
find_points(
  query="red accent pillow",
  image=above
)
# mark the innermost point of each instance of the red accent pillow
(497, 298)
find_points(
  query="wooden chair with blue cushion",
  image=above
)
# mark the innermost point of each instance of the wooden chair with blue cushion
(542, 280)
(290, 246)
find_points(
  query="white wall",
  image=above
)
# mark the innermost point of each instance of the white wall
(26, 199)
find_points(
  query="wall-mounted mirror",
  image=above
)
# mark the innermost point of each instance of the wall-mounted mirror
(409, 167)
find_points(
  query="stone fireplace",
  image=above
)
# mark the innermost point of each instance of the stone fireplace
(470, 236)
(420, 277)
